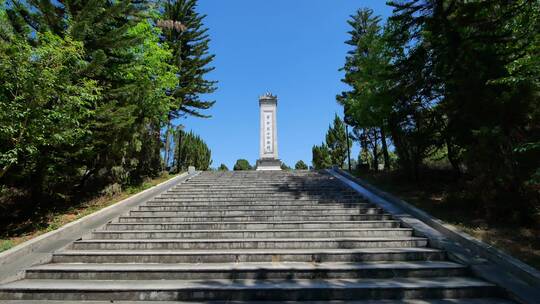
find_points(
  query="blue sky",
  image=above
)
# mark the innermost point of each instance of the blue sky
(292, 48)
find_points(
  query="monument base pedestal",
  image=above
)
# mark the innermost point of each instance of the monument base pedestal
(268, 164)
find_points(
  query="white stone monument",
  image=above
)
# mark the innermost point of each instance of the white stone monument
(268, 155)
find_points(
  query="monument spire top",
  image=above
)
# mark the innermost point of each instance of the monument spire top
(267, 95)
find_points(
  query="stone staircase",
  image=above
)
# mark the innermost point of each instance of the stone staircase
(253, 236)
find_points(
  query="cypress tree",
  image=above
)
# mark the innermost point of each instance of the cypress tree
(300, 165)
(336, 141)
(192, 151)
(321, 157)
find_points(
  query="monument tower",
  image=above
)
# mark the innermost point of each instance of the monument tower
(268, 155)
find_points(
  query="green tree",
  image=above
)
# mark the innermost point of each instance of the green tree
(190, 55)
(285, 167)
(470, 50)
(125, 58)
(368, 104)
(321, 157)
(189, 44)
(391, 92)
(300, 165)
(154, 77)
(43, 103)
(87, 88)
(336, 141)
(242, 165)
(223, 167)
(192, 151)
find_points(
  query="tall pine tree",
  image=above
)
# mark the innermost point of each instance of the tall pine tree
(190, 54)
(368, 104)
(184, 33)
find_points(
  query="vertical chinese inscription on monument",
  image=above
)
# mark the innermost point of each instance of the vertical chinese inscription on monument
(268, 132)
(268, 149)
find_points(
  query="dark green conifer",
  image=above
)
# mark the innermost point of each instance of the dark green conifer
(191, 55)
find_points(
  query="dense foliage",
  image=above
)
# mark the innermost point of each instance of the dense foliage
(321, 157)
(457, 80)
(300, 165)
(333, 152)
(223, 167)
(88, 87)
(242, 165)
(191, 150)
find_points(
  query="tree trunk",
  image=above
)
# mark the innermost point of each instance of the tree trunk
(453, 157)
(167, 144)
(416, 167)
(375, 158)
(364, 146)
(385, 150)
(4, 170)
(37, 179)
(179, 153)
(157, 151)
(375, 150)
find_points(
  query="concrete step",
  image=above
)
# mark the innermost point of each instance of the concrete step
(244, 191)
(262, 206)
(401, 301)
(258, 197)
(274, 193)
(250, 255)
(258, 190)
(248, 290)
(252, 225)
(246, 207)
(250, 234)
(262, 178)
(268, 212)
(242, 271)
(254, 218)
(263, 183)
(266, 179)
(256, 203)
(265, 188)
(268, 200)
(216, 244)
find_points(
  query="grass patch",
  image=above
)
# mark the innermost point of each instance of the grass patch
(5, 245)
(55, 220)
(445, 198)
